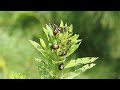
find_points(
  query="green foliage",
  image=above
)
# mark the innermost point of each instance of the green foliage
(79, 61)
(66, 44)
(17, 76)
(3, 66)
(99, 31)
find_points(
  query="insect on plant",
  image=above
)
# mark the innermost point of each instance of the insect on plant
(60, 44)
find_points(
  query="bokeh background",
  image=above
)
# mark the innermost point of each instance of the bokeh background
(98, 29)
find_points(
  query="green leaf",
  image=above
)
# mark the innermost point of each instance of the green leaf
(44, 71)
(71, 63)
(42, 51)
(74, 74)
(71, 28)
(66, 25)
(53, 40)
(46, 54)
(61, 24)
(85, 67)
(50, 35)
(49, 30)
(74, 38)
(36, 45)
(80, 40)
(71, 75)
(72, 49)
(46, 60)
(38, 60)
(86, 60)
(42, 60)
(17, 76)
(46, 32)
(79, 61)
(42, 43)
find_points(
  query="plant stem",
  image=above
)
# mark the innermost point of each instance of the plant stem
(61, 74)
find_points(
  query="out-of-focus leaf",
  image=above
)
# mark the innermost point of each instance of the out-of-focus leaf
(38, 60)
(39, 48)
(71, 28)
(77, 41)
(49, 30)
(44, 71)
(65, 24)
(46, 61)
(61, 24)
(47, 55)
(46, 32)
(42, 43)
(17, 76)
(36, 45)
(3, 66)
(71, 75)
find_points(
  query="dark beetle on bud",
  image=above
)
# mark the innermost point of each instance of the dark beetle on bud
(68, 42)
(63, 53)
(56, 29)
(55, 32)
(53, 26)
(61, 66)
(60, 29)
(54, 46)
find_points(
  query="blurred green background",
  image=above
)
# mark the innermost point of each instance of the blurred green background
(98, 29)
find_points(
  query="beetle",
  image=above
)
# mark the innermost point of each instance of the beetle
(53, 26)
(61, 66)
(55, 32)
(69, 42)
(55, 46)
(63, 53)
(56, 29)
(60, 29)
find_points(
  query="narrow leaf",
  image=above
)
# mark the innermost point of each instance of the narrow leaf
(46, 32)
(61, 24)
(74, 38)
(79, 61)
(42, 51)
(42, 43)
(72, 49)
(87, 66)
(77, 72)
(49, 30)
(46, 54)
(86, 60)
(71, 63)
(70, 75)
(38, 60)
(77, 41)
(71, 28)
(36, 45)
(66, 25)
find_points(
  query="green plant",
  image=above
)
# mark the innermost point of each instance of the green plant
(60, 44)
(17, 76)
